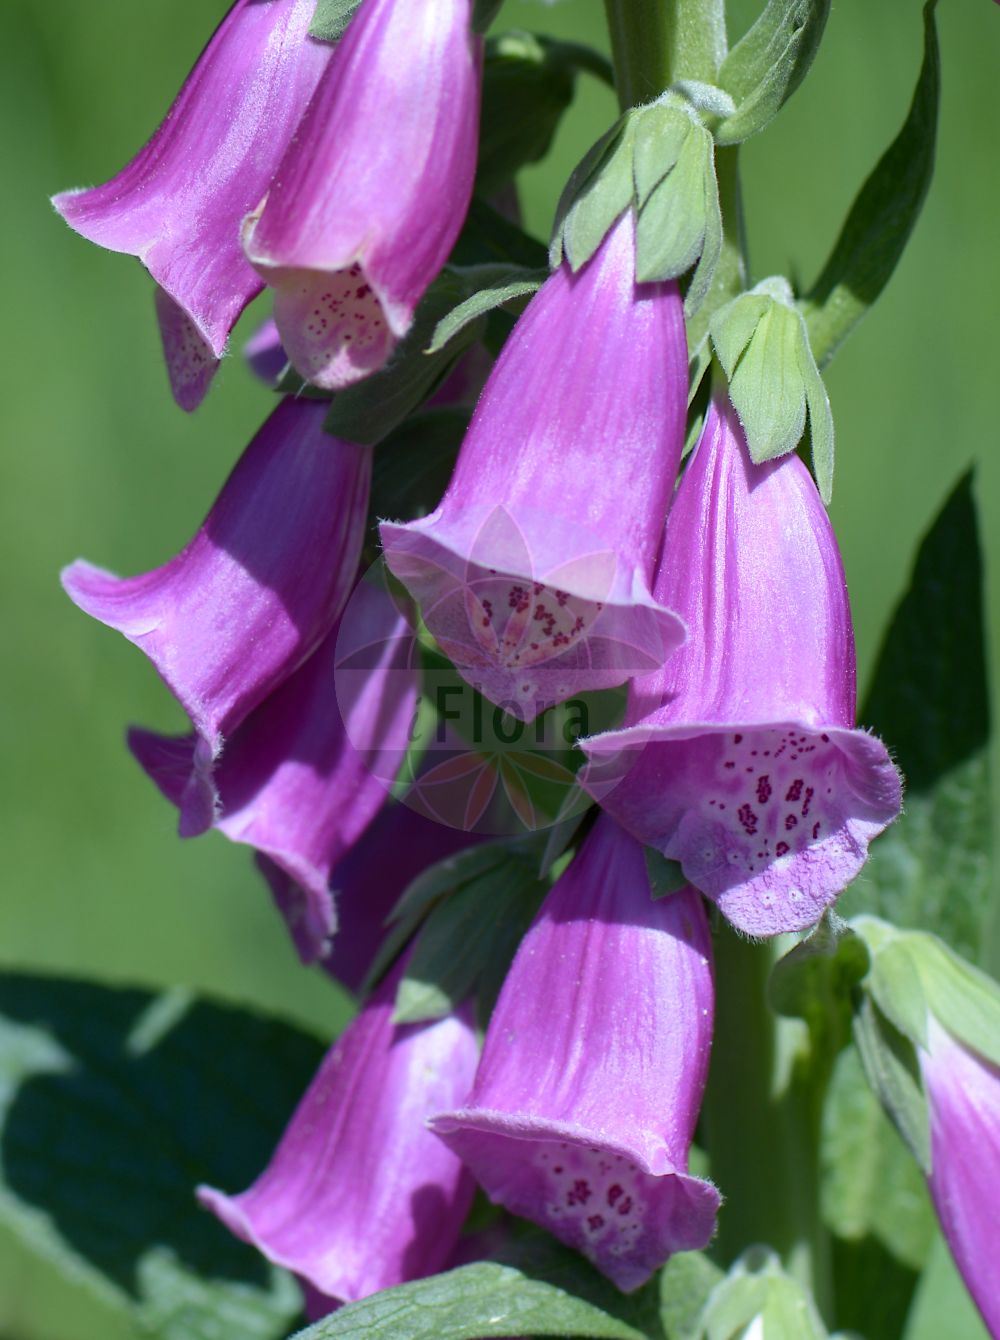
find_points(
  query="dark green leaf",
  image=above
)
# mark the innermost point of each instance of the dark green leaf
(528, 83)
(815, 981)
(537, 1289)
(114, 1105)
(929, 702)
(488, 237)
(489, 287)
(769, 62)
(414, 463)
(483, 13)
(882, 217)
(332, 17)
(469, 936)
(664, 876)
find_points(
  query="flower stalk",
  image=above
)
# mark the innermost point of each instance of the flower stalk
(653, 44)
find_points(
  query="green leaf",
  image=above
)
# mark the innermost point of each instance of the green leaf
(685, 1284)
(942, 1306)
(367, 412)
(487, 236)
(472, 934)
(483, 13)
(929, 702)
(490, 286)
(664, 876)
(544, 1290)
(757, 1287)
(114, 1105)
(872, 1186)
(892, 1070)
(331, 18)
(769, 62)
(528, 83)
(882, 217)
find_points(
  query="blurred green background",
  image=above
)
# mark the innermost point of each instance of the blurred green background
(100, 463)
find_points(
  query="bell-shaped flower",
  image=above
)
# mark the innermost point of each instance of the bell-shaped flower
(370, 196)
(256, 590)
(359, 1194)
(533, 573)
(963, 1096)
(178, 205)
(587, 1095)
(291, 782)
(739, 758)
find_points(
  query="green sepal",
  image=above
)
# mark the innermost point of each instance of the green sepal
(599, 189)
(686, 1282)
(816, 979)
(758, 1288)
(762, 343)
(882, 217)
(768, 64)
(892, 1070)
(665, 876)
(528, 83)
(489, 286)
(331, 19)
(659, 160)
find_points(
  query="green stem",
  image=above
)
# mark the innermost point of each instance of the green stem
(655, 42)
(762, 1115)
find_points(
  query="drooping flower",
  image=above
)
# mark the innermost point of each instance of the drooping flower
(359, 1194)
(178, 205)
(291, 782)
(963, 1094)
(739, 758)
(595, 1060)
(533, 573)
(254, 592)
(368, 200)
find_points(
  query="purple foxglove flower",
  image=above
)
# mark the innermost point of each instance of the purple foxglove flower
(963, 1093)
(255, 591)
(178, 205)
(533, 573)
(371, 194)
(594, 1064)
(265, 353)
(291, 782)
(359, 1194)
(738, 758)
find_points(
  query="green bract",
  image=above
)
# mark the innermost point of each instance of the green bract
(761, 340)
(758, 1290)
(658, 159)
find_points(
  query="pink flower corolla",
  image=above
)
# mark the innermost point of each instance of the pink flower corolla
(290, 782)
(371, 194)
(255, 591)
(738, 758)
(533, 572)
(179, 204)
(587, 1095)
(963, 1095)
(359, 1194)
